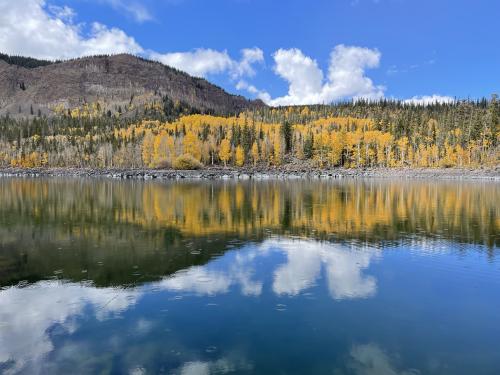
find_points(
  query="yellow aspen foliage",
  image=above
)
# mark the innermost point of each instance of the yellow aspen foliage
(353, 146)
(31, 160)
(255, 153)
(240, 156)
(277, 149)
(265, 148)
(159, 151)
(314, 134)
(337, 145)
(148, 149)
(191, 145)
(422, 156)
(163, 149)
(225, 151)
(461, 156)
(433, 156)
(384, 141)
(402, 144)
(322, 146)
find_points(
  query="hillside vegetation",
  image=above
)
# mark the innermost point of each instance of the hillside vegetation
(352, 135)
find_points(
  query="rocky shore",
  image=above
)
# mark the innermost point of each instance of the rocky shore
(255, 173)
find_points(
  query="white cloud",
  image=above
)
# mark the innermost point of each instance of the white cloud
(343, 268)
(301, 270)
(220, 366)
(63, 12)
(431, 99)
(133, 8)
(347, 73)
(38, 29)
(198, 280)
(202, 62)
(369, 359)
(260, 94)
(346, 76)
(34, 28)
(305, 260)
(28, 27)
(30, 312)
(302, 73)
(199, 62)
(204, 280)
(250, 56)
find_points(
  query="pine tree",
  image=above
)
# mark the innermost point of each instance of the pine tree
(309, 146)
(287, 134)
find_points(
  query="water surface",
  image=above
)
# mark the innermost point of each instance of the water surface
(270, 277)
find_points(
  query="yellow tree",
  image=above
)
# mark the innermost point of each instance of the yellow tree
(353, 144)
(225, 151)
(422, 156)
(148, 148)
(433, 155)
(160, 149)
(192, 145)
(337, 146)
(402, 144)
(240, 156)
(212, 147)
(278, 149)
(384, 141)
(322, 145)
(255, 153)
(265, 148)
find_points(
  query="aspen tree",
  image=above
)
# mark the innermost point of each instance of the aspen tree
(255, 153)
(225, 151)
(240, 156)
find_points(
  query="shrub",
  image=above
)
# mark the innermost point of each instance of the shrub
(163, 164)
(186, 161)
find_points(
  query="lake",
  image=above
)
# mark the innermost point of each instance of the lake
(251, 277)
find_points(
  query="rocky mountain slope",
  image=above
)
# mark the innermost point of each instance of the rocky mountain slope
(30, 87)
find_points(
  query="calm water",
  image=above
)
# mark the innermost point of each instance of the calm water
(193, 278)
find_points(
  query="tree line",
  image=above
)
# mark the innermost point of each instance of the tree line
(167, 134)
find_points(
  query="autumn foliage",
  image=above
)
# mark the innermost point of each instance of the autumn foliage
(345, 135)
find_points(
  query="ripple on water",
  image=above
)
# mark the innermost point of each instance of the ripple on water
(280, 307)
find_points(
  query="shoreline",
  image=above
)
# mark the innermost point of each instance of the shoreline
(255, 173)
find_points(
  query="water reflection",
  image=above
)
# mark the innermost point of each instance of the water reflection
(220, 366)
(367, 277)
(302, 267)
(343, 268)
(116, 230)
(30, 315)
(370, 359)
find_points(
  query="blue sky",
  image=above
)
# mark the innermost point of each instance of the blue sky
(390, 48)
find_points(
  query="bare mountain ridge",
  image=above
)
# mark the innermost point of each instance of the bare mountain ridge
(29, 85)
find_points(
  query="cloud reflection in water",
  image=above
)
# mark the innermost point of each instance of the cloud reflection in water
(28, 314)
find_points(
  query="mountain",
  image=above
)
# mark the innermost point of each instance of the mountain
(29, 86)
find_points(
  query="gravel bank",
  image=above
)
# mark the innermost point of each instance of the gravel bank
(246, 173)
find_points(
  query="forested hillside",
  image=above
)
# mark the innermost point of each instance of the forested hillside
(165, 134)
(119, 84)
